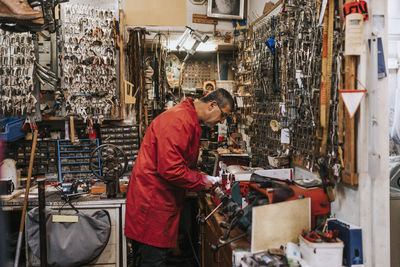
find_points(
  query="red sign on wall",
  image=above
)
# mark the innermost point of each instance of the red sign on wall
(356, 7)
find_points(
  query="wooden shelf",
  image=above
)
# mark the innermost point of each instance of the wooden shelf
(56, 118)
(226, 47)
(53, 118)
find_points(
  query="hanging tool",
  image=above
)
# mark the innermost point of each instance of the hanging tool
(121, 61)
(116, 32)
(98, 33)
(45, 70)
(130, 97)
(72, 128)
(29, 125)
(159, 59)
(323, 174)
(91, 131)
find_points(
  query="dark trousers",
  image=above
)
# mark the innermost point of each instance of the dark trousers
(148, 256)
(3, 239)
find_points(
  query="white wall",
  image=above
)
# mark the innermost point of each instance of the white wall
(394, 19)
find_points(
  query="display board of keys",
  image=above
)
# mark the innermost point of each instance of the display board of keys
(89, 60)
(17, 57)
(286, 70)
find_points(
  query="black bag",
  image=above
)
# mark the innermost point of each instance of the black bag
(70, 244)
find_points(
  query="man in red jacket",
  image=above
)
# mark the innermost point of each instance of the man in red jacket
(165, 169)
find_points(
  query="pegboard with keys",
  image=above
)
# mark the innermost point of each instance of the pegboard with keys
(89, 60)
(18, 97)
(293, 110)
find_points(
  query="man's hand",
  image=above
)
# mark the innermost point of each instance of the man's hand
(211, 180)
(214, 179)
(208, 185)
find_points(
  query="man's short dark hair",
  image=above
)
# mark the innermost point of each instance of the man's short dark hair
(221, 96)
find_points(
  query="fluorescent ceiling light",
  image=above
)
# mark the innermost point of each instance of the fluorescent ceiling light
(208, 46)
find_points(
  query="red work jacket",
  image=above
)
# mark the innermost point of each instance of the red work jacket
(162, 172)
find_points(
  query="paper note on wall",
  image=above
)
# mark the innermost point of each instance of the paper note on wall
(354, 34)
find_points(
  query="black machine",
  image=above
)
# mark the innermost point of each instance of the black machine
(235, 216)
(113, 164)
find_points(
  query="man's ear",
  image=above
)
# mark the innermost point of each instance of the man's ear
(212, 104)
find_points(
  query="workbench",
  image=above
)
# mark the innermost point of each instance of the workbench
(210, 235)
(115, 253)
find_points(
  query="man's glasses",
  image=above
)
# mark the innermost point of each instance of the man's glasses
(223, 114)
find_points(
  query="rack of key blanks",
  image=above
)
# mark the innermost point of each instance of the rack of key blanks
(18, 97)
(89, 59)
(270, 115)
(288, 74)
(126, 138)
(73, 159)
(302, 72)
